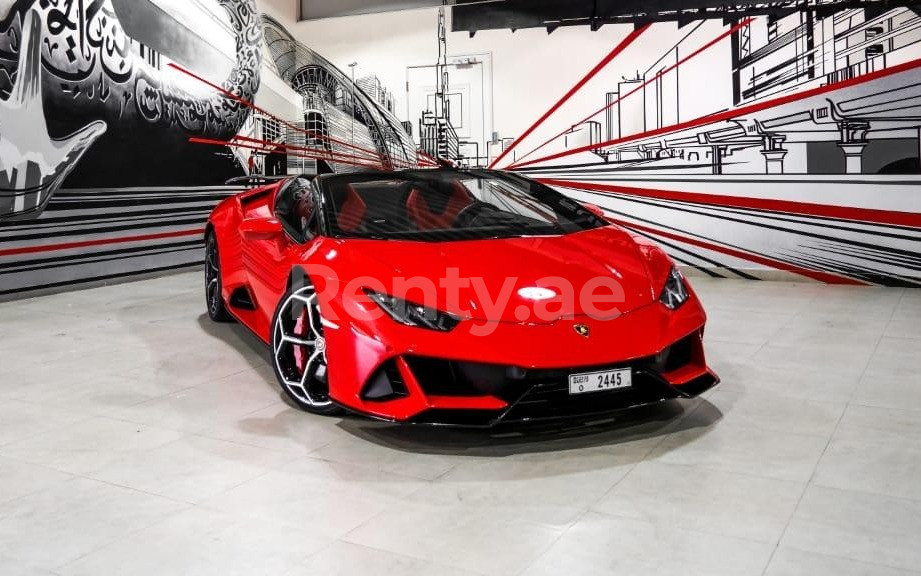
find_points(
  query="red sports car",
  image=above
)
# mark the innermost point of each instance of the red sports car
(456, 297)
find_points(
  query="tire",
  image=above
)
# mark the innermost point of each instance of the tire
(299, 352)
(214, 300)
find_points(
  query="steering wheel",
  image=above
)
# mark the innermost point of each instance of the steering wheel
(470, 213)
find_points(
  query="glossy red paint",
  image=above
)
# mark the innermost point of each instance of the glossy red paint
(256, 254)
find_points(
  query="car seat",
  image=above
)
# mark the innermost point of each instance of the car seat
(424, 209)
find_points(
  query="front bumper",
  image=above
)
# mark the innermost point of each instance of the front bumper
(468, 394)
(518, 373)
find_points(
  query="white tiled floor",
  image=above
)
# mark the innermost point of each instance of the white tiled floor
(138, 438)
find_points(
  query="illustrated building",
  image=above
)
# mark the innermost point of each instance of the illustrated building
(848, 132)
(355, 129)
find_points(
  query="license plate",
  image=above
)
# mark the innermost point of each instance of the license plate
(600, 381)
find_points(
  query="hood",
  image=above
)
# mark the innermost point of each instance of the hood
(505, 279)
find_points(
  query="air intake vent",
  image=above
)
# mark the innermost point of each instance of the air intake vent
(241, 299)
(385, 384)
(680, 353)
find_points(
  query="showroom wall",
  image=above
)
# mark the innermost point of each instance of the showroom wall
(765, 148)
(98, 178)
(770, 148)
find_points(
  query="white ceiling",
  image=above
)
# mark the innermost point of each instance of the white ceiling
(316, 9)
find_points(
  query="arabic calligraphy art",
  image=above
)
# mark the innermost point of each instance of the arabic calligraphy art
(102, 98)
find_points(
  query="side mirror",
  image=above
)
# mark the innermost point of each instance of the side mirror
(260, 227)
(596, 210)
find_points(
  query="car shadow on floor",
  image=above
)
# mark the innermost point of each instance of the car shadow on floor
(635, 425)
(237, 336)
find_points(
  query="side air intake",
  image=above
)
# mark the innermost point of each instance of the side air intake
(241, 299)
(386, 383)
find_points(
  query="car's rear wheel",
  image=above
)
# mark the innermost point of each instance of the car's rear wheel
(299, 351)
(214, 301)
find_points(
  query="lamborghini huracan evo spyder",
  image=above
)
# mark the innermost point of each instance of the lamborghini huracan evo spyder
(455, 297)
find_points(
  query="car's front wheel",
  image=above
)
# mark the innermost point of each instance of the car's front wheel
(299, 351)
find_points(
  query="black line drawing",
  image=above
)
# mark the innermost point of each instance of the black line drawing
(851, 152)
(339, 117)
(91, 73)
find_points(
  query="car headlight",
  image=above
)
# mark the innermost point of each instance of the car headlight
(675, 293)
(411, 314)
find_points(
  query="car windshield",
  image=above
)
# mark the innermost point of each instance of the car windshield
(444, 205)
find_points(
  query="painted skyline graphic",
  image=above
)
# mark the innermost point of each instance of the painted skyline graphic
(807, 166)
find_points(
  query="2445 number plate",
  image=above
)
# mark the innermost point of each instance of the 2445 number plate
(600, 381)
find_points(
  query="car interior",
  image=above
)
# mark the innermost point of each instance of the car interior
(387, 206)
(384, 206)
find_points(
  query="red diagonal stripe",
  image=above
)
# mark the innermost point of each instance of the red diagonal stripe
(890, 217)
(751, 257)
(617, 100)
(734, 113)
(320, 155)
(251, 106)
(99, 242)
(591, 74)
